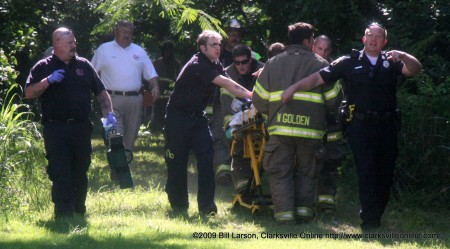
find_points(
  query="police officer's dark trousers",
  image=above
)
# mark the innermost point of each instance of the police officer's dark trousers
(185, 132)
(68, 151)
(374, 148)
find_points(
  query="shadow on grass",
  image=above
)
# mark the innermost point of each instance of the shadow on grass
(107, 242)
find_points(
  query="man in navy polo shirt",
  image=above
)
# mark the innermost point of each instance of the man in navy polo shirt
(186, 126)
(64, 83)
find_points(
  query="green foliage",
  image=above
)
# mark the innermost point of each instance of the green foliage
(21, 180)
(7, 75)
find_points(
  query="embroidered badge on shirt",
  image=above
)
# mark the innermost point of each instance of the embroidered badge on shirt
(79, 72)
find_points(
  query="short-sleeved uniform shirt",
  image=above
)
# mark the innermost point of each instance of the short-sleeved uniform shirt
(122, 69)
(372, 88)
(70, 98)
(194, 86)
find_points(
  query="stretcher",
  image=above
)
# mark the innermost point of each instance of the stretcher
(251, 131)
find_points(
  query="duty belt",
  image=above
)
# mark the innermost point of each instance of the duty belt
(130, 93)
(187, 113)
(375, 117)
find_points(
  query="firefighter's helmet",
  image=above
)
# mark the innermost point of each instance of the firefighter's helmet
(233, 24)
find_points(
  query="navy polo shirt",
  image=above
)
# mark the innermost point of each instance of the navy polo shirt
(70, 98)
(372, 88)
(194, 86)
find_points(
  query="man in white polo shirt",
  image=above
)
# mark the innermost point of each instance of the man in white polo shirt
(122, 65)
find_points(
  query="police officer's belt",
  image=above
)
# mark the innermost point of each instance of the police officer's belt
(131, 93)
(375, 117)
(187, 113)
(69, 121)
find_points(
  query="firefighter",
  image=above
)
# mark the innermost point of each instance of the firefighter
(240, 71)
(294, 149)
(369, 81)
(167, 67)
(335, 145)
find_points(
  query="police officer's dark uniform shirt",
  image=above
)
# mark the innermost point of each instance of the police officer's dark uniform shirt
(372, 88)
(71, 98)
(194, 86)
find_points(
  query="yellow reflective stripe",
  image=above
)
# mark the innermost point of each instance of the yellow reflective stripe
(334, 92)
(329, 199)
(295, 132)
(305, 212)
(263, 93)
(284, 216)
(309, 96)
(224, 91)
(209, 110)
(304, 96)
(223, 168)
(334, 136)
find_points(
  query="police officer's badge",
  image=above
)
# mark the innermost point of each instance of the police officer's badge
(386, 64)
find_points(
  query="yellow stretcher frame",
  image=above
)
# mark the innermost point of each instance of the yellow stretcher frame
(254, 136)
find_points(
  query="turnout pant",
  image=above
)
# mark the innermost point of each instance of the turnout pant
(292, 168)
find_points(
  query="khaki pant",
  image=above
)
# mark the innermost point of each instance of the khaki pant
(128, 111)
(292, 169)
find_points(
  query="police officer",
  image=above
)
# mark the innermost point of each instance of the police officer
(186, 126)
(296, 129)
(64, 83)
(240, 71)
(369, 80)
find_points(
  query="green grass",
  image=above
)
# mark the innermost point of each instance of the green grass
(141, 217)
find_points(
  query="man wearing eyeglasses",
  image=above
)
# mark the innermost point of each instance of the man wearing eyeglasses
(240, 71)
(186, 125)
(64, 83)
(370, 82)
(293, 151)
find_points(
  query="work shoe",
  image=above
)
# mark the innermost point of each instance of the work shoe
(328, 216)
(210, 210)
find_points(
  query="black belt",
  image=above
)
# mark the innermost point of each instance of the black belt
(375, 117)
(131, 93)
(187, 113)
(69, 121)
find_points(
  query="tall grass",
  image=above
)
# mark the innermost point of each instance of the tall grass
(21, 179)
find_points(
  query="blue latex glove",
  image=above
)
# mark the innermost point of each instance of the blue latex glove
(56, 77)
(111, 119)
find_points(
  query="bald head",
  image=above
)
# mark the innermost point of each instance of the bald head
(64, 44)
(322, 47)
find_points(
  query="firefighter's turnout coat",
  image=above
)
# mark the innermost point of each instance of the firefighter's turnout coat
(296, 129)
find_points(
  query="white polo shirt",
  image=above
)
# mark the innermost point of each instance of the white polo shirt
(122, 69)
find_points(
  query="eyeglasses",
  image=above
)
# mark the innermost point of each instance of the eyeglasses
(215, 45)
(243, 62)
